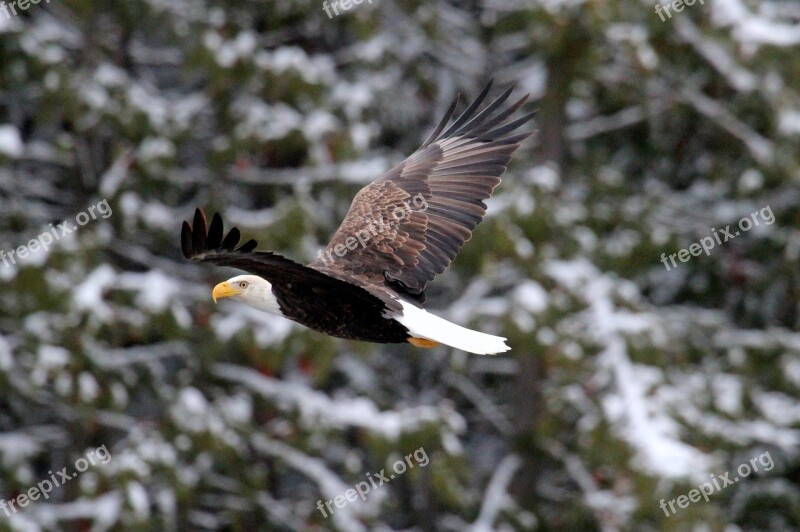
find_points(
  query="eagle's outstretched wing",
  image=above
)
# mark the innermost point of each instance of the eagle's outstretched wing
(407, 226)
(201, 242)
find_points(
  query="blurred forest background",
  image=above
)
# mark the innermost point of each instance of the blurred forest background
(627, 383)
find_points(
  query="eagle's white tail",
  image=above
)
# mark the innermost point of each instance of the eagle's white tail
(423, 324)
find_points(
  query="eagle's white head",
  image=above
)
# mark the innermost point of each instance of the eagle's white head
(251, 290)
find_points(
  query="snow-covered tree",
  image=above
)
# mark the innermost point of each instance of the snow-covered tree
(632, 378)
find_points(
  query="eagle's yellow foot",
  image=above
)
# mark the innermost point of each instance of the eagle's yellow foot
(422, 342)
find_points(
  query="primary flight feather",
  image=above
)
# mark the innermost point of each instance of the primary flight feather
(401, 230)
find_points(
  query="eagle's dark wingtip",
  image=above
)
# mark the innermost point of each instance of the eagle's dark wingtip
(488, 125)
(199, 238)
(199, 231)
(248, 246)
(231, 239)
(186, 240)
(215, 232)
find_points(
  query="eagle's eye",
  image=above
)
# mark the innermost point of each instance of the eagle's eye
(243, 284)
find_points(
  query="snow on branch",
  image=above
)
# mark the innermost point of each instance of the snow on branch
(717, 56)
(638, 416)
(496, 499)
(104, 512)
(330, 485)
(759, 147)
(317, 408)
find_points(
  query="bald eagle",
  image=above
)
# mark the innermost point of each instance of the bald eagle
(401, 230)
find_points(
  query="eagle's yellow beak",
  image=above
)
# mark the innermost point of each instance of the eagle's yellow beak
(224, 290)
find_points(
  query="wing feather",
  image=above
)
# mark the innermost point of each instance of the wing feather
(467, 114)
(440, 189)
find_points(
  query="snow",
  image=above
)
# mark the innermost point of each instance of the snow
(95, 96)
(103, 511)
(138, 500)
(129, 461)
(545, 177)
(751, 181)
(88, 296)
(330, 486)
(42, 324)
(531, 296)
(362, 134)
(789, 122)
(354, 97)
(154, 214)
(268, 329)
(728, 393)
(317, 409)
(191, 409)
(88, 388)
(6, 356)
(10, 141)
(115, 176)
(145, 99)
(715, 53)
(6, 25)
(318, 124)
(186, 109)
(778, 408)
(263, 121)
(111, 76)
(496, 499)
(53, 357)
(314, 69)
(364, 171)
(759, 147)
(791, 368)
(154, 448)
(236, 409)
(757, 30)
(17, 447)
(636, 414)
(238, 217)
(654, 435)
(360, 375)
(155, 290)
